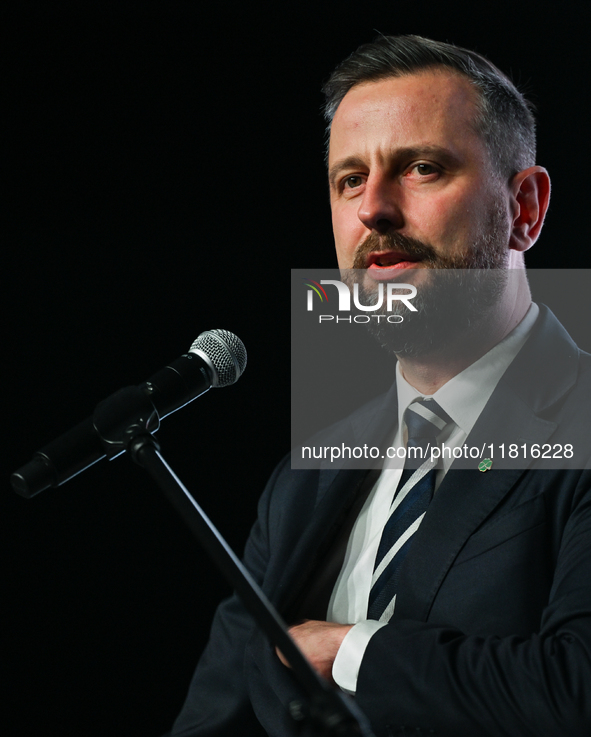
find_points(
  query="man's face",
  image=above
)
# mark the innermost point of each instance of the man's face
(415, 199)
(411, 183)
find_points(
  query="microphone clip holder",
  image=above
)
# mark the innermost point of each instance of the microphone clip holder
(122, 417)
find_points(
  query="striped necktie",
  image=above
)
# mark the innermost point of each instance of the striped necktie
(425, 420)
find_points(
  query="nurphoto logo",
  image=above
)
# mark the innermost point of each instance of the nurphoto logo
(385, 300)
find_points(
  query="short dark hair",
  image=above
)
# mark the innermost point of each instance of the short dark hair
(504, 119)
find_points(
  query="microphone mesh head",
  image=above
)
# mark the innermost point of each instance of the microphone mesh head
(226, 353)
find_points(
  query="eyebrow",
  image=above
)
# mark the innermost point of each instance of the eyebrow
(409, 152)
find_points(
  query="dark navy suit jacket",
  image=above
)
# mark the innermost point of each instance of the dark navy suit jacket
(491, 635)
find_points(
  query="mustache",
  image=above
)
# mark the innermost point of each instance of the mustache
(411, 247)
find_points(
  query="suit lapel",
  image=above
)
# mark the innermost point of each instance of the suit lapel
(337, 492)
(467, 496)
(298, 564)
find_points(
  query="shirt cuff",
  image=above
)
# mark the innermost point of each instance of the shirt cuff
(345, 668)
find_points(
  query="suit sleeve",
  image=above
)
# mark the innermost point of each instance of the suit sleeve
(217, 703)
(437, 679)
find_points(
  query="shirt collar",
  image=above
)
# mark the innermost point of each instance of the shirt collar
(464, 396)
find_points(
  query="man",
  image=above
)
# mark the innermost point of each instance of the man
(470, 615)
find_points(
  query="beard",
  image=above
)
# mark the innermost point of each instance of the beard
(454, 299)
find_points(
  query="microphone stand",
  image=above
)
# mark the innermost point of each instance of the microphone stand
(328, 711)
(126, 421)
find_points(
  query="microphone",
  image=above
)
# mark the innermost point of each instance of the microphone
(217, 358)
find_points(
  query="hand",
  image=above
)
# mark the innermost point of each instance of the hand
(319, 642)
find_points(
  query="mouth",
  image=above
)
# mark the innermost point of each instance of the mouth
(380, 264)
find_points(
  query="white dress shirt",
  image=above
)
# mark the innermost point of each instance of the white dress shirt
(463, 398)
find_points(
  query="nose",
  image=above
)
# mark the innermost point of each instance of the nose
(380, 209)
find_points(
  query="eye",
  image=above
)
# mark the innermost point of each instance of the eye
(425, 169)
(353, 181)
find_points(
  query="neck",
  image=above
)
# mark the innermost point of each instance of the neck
(428, 373)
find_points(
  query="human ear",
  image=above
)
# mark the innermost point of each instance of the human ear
(530, 195)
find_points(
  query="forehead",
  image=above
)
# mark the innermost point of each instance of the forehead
(429, 108)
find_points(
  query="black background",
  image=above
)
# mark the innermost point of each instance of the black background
(164, 172)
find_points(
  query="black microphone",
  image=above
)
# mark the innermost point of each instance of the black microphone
(217, 358)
